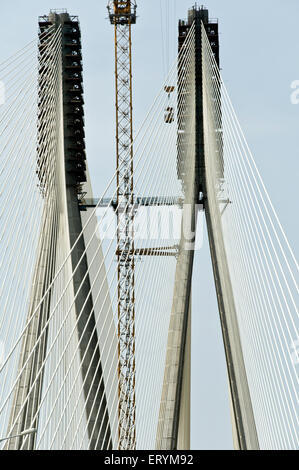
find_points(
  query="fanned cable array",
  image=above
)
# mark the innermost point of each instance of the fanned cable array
(168, 15)
(262, 267)
(64, 390)
(28, 204)
(59, 286)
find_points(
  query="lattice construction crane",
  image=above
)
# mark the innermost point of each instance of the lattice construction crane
(122, 15)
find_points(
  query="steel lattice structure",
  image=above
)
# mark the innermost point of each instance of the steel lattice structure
(122, 15)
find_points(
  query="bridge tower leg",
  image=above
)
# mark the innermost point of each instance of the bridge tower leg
(243, 423)
(70, 173)
(173, 420)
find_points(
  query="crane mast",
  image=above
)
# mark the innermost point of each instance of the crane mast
(122, 15)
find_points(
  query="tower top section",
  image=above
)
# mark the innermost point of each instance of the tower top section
(57, 17)
(198, 13)
(122, 11)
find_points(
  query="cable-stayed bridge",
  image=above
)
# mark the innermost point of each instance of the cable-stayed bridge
(98, 357)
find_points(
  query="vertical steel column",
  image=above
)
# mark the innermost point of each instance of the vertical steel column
(122, 15)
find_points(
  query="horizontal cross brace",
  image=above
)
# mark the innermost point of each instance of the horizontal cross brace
(139, 201)
(154, 251)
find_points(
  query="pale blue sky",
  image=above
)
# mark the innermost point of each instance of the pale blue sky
(259, 51)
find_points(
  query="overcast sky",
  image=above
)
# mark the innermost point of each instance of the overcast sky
(259, 54)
